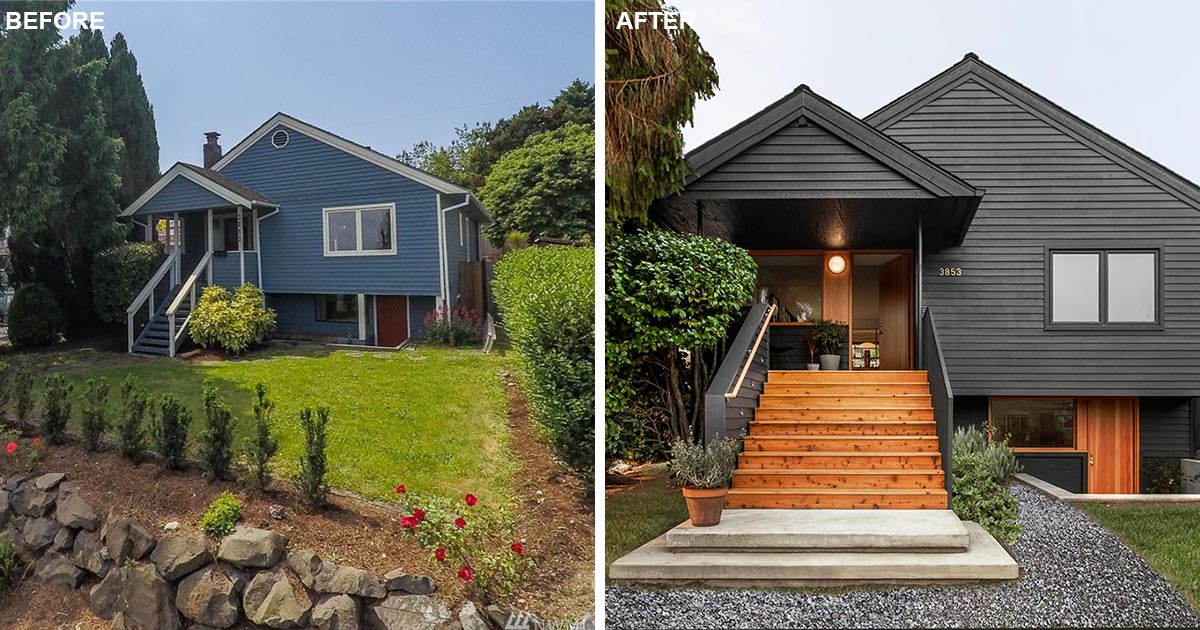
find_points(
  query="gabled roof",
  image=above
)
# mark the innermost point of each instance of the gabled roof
(972, 68)
(803, 102)
(357, 150)
(215, 183)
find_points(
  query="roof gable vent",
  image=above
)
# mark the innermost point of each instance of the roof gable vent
(279, 139)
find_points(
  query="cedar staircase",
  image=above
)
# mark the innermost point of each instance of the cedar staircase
(841, 440)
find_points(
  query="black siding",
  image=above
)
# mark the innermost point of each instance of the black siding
(1046, 185)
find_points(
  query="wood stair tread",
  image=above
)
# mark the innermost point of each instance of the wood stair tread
(848, 471)
(841, 491)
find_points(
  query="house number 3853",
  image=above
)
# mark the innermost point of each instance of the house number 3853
(949, 271)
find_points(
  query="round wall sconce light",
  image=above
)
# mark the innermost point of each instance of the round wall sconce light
(837, 263)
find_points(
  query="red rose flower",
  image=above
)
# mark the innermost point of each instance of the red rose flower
(408, 521)
(471, 500)
(37, 441)
(440, 554)
(518, 548)
(460, 522)
(12, 446)
(466, 574)
(418, 514)
(400, 489)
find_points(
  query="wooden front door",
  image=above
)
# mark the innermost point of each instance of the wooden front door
(1110, 435)
(391, 312)
(895, 314)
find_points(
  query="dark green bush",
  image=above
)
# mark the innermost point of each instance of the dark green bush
(56, 409)
(119, 273)
(216, 446)
(93, 418)
(22, 391)
(546, 297)
(1163, 476)
(34, 317)
(233, 323)
(262, 446)
(6, 377)
(131, 432)
(170, 432)
(222, 516)
(313, 466)
(979, 466)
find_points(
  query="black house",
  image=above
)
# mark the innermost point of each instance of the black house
(1043, 275)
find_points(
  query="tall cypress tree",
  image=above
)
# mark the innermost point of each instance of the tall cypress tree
(131, 118)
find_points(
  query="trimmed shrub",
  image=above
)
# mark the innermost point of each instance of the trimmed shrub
(313, 466)
(56, 409)
(119, 273)
(460, 327)
(1163, 476)
(170, 432)
(233, 323)
(93, 419)
(222, 516)
(131, 433)
(22, 390)
(546, 297)
(34, 317)
(216, 446)
(979, 466)
(262, 446)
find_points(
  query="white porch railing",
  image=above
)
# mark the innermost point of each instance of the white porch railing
(188, 290)
(146, 297)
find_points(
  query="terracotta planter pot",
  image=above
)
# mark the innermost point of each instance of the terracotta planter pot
(705, 505)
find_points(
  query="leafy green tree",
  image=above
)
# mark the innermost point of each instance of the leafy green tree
(544, 188)
(652, 79)
(671, 298)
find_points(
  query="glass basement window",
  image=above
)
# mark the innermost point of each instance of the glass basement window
(337, 308)
(1034, 423)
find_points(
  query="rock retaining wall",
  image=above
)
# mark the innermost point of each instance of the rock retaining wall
(141, 581)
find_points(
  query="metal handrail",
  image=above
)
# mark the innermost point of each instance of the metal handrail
(749, 359)
(147, 293)
(187, 290)
(733, 369)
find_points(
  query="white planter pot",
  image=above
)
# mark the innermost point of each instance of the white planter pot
(1191, 476)
(831, 361)
(813, 367)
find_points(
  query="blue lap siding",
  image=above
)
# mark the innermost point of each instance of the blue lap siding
(307, 176)
(181, 195)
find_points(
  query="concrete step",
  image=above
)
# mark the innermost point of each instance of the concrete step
(656, 563)
(848, 376)
(842, 460)
(833, 479)
(845, 401)
(857, 415)
(849, 427)
(837, 498)
(841, 443)
(753, 531)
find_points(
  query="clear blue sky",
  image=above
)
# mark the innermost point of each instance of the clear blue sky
(384, 74)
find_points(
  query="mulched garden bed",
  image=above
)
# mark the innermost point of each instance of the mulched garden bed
(556, 526)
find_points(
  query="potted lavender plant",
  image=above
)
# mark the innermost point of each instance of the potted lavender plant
(704, 473)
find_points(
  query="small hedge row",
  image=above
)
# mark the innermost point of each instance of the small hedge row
(119, 273)
(546, 297)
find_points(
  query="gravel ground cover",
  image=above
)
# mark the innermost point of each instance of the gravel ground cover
(1074, 573)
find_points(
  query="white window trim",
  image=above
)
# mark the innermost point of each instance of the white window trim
(219, 217)
(462, 233)
(358, 210)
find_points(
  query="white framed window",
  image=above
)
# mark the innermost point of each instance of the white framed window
(359, 230)
(169, 232)
(462, 233)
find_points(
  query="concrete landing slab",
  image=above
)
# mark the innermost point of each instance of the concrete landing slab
(654, 563)
(825, 530)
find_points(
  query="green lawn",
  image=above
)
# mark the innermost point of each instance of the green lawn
(635, 516)
(434, 419)
(1168, 536)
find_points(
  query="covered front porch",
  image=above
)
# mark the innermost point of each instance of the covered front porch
(209, 228)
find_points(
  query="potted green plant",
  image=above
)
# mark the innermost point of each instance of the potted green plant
(704, 473)
(828, 334)
(811, 340)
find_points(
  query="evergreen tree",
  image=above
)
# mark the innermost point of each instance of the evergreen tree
(131, 118)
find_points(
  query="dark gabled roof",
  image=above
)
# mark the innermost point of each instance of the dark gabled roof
(228, 184)
(972, 68)
(803, 102)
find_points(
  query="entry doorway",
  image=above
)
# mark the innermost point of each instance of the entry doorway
(882, 312)
(391, 312)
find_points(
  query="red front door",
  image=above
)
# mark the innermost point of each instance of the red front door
(392, 324)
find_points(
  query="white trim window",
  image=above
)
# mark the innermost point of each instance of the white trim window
(359, 230)
(224, 237)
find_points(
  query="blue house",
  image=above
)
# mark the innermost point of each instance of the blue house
(345, 242)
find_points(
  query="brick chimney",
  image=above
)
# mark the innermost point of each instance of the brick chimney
(212, 150)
